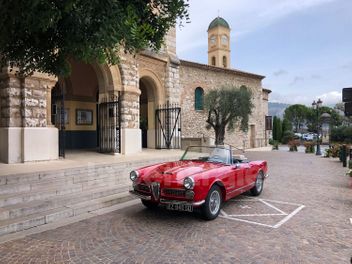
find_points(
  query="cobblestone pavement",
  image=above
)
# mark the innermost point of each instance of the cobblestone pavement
(319, 233)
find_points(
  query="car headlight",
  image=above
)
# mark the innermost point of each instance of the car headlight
(188, 183)
(134, 175)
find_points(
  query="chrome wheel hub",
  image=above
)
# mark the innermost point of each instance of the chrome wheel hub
(259, 182)
(214, 202)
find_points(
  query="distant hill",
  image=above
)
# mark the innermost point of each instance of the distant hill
(277, 109)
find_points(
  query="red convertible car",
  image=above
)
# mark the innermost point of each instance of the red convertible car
(204, 178)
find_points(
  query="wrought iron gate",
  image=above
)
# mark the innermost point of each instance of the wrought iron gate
(168, 127)
(59, 115)
(109, 125)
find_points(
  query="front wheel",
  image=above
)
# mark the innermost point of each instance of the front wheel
(259, 184)
(149, 204)
(212, 205)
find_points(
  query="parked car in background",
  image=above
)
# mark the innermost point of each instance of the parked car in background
(204, 178)
(298, 135)
(309, 136)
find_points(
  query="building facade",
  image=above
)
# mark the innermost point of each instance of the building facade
(115, 108)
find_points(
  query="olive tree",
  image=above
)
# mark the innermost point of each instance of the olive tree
(43, 35)
(227, 107)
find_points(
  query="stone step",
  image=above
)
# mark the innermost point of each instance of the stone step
(38, 206)
(49, 216)
(45, 193)
(59, 182)
(92, 205)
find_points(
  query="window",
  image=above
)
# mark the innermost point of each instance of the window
(224, 61)
(213, 61)
(224, 40)
(212, 40)
(199, 99)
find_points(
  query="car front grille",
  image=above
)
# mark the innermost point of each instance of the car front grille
(142, 188)
(174, 192)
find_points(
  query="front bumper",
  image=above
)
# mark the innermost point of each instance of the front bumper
(166, 201)
(141, 196)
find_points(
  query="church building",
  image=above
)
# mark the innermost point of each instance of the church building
(151, 100)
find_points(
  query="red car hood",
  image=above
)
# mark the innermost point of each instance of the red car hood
(177, 171)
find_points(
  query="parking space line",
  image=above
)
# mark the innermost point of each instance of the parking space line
(255, 215)
(288, 217)
(351, 220)
(246, 221)
(280, 202)
(272, 206)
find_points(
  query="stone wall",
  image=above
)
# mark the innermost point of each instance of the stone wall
(193, 75)
(24, 101)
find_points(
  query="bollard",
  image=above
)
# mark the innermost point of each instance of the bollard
(344, 155)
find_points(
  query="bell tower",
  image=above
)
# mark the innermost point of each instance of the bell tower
(219, 43)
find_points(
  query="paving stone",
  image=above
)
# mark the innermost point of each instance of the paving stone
(320, 233)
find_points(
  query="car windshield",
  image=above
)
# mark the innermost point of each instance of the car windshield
(217, 154)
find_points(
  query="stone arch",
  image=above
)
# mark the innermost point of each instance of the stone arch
(152, 95)
(109, 79)
(154, 81)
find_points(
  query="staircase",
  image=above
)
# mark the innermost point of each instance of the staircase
(39, 198)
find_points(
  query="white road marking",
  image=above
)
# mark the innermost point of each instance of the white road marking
(238, 215)
(266, 202)
(288, 217)
(280, 202)
(246, 221)
(351, 220)
(272, 206)
(223, 213)
(244, 206)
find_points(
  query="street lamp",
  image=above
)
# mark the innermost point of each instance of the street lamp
(316, 106)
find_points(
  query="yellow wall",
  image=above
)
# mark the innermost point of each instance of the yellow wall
(72, 106)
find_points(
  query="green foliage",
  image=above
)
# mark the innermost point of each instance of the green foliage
(296, 114)
(277, 129)
(341, 134)
(43, 35)
(286, 125)
(287, 136)
(227, 108)
(313, 114)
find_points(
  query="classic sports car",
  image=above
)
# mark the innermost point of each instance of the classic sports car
(204, 177)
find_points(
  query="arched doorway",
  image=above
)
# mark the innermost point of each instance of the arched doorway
(76, 102)
(148, 102)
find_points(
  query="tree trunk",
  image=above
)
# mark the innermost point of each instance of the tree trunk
(219, 135)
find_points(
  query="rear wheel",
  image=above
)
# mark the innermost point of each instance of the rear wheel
(212, 205)
(259, 184)
(149, 204)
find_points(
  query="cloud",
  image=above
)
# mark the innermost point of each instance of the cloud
(239, 14)
(296, 80)
(347, 66)
(316, 76)
(279, 73)
(330, 98)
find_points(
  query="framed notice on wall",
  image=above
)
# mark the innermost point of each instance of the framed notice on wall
(84, 117)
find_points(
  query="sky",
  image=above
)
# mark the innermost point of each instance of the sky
(303, 47)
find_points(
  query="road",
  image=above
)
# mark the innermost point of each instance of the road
(302, 216)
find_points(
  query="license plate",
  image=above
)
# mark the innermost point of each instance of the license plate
(180, 207)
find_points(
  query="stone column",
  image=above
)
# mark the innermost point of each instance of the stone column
(172, 82)
(24, 132)
(131, 136)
